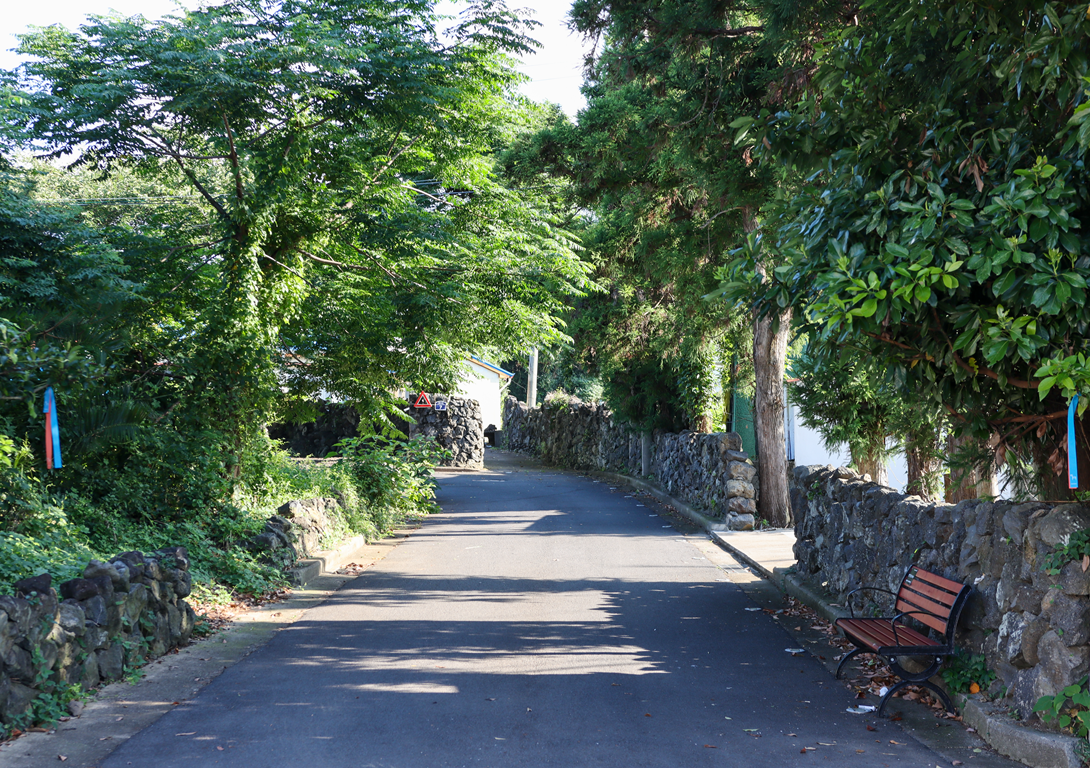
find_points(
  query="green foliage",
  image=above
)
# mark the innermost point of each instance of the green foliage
(394, 480)
(938, 232)
(964, 668)
(1074, 548)
(62, 554)
(1069, 709)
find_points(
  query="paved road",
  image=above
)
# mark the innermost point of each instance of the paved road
(541, 620)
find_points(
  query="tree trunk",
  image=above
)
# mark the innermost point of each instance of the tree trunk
(965, 484)
(924, 472)
(873, 464)
(769, 362)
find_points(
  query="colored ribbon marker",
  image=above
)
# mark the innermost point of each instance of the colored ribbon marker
(1072, 459)
(52, 432)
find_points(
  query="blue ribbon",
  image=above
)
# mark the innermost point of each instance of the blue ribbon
(1072, 459)
(55, 430)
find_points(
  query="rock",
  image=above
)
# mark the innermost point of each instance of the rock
(75, 708)
(1011, 631)
(1074, 581)
(173, 557)
(741, 522)
(94, 608)
(1069, 617)
(266, 541)
(39, 585)
(124, 576)
(1062, 521)
(1060, 664)
(18, 702)
(737, 470)
(89, 677)
(111, 661)
(72, 619)
(1031, 636)
(739, 488)
(78, 589)
(739, 505)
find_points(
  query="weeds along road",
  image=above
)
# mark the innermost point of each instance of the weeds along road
(542, 619)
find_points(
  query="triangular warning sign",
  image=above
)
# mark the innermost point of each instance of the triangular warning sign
(422, 401)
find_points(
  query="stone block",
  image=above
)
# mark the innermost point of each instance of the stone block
(1009, 643)
(1062, 521)
(94, 609)
(739, 488)
(739, 505)
(18, 702)
(1031, 637)
(111, 661)
(32, 585)
(741, 522)
(738, 470)
(1060, 664)
(78, 589)
(89, 677)
(1068, 616)
(1074, 581)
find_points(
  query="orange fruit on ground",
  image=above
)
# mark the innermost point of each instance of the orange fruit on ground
(974, 688)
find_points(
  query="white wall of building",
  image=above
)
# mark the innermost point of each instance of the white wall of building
(485, 386)
(809, 449)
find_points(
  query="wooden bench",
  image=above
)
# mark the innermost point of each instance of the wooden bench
(931, 602)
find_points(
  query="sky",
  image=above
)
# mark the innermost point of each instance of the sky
(554, 71)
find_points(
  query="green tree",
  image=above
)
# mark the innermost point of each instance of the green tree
(341, 155)
(939, 231)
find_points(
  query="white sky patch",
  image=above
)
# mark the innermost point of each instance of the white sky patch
(555, 70)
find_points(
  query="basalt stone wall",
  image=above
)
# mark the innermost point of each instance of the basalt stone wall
(335, 422)
(1032, 627)
(90, 629)
(708, 471)
(459, 427)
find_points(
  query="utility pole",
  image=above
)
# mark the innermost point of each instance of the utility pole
(531, 381)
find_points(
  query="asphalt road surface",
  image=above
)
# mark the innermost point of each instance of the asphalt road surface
(542, 619)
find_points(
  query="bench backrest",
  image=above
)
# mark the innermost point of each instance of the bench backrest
(932, 599)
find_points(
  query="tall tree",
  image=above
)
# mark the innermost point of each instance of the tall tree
(660, 163)
(939, 232)
(340, 151)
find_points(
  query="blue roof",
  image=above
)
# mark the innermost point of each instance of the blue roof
(491, 367)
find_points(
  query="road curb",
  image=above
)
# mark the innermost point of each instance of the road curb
(1036, 749)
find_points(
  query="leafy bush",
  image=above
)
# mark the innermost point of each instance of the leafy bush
(1069, 709)
(964, 668)
(393, 479)
(1075, 547)
(61, 553)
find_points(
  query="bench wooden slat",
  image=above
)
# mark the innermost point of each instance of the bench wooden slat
(939, 595)
(936, 616)
(878, 633)
(939, 581)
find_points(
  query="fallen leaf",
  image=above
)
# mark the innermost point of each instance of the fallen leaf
(802, 751)
(491, 698)
(957, 762)
(793, 735)
(871, 728)
(62, 758)
(751, 730)
(191, 733)
(898, 743)
(647, 714)
(826, 744)
(710, 746)
(220, 748)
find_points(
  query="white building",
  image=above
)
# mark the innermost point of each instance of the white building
(485, 383)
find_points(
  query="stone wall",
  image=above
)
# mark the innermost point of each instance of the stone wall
(1032, 627)
(335, 422)
(708, 471)
(118, 615)
(459, 428)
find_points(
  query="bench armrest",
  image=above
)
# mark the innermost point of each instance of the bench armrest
(895, 619)
(848, 597)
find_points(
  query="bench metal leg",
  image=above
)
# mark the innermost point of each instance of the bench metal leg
(924, 683)
(851, 655)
